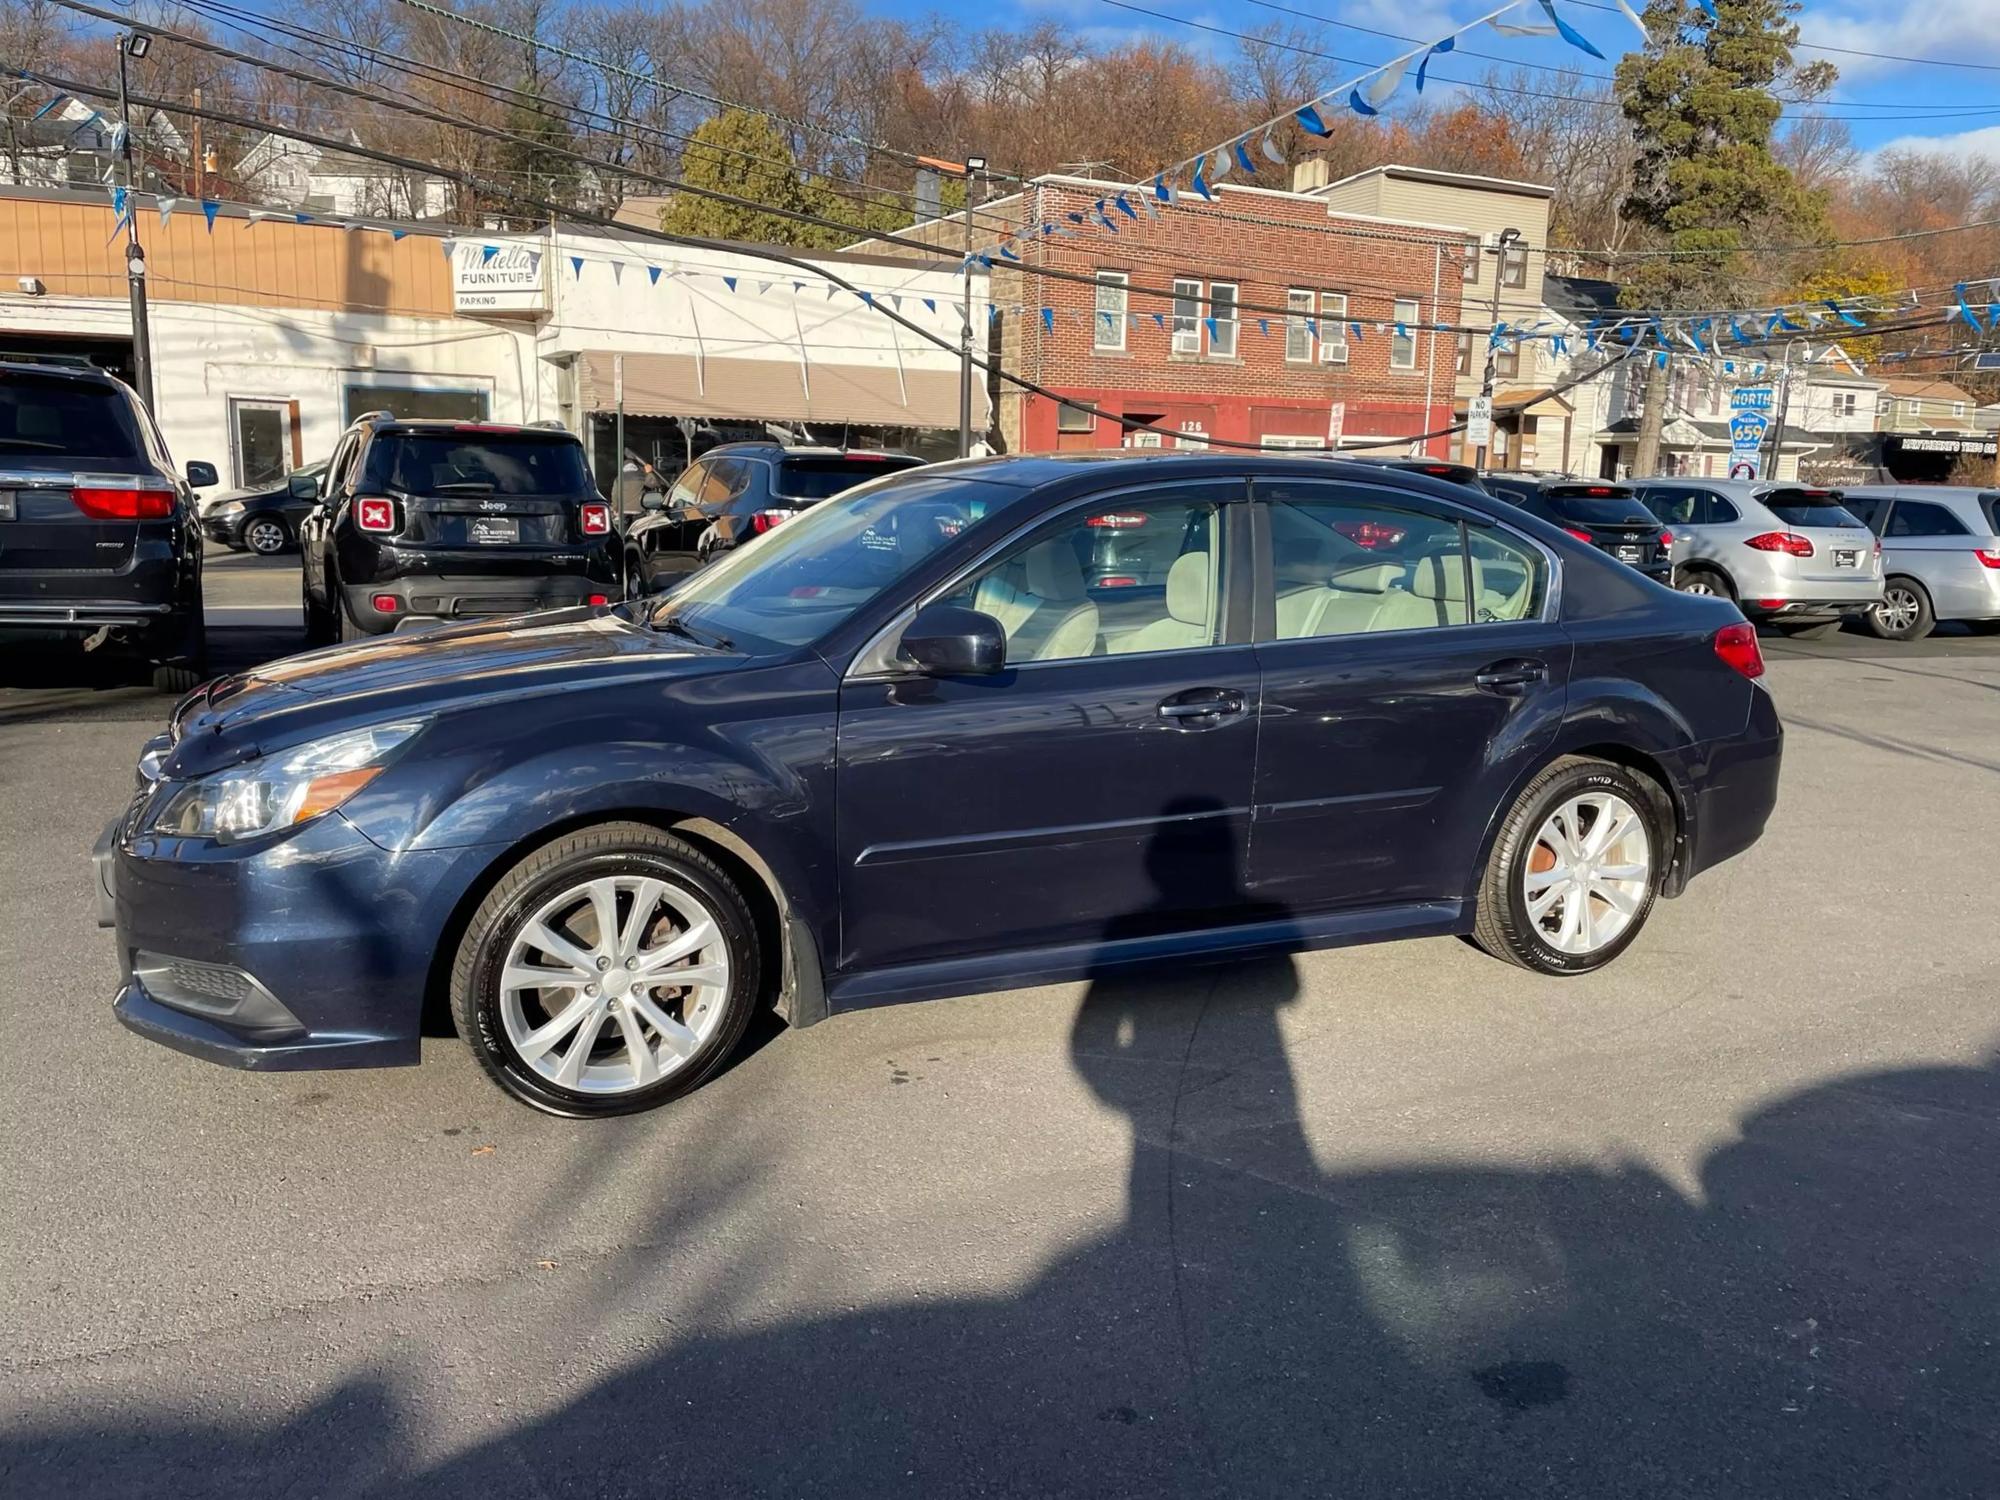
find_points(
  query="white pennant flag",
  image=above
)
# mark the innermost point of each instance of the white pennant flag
(1387, 82)
(618, 272)
(763, 287)
(167, 207)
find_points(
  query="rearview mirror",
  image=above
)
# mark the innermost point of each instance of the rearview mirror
(202, 476)
(947, 641)
(303, 486)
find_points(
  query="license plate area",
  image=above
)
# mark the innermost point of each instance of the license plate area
(1628, 554)
(489, 531)
(1846, 557)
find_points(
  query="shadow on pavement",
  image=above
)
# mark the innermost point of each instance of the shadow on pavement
(1820, 1317)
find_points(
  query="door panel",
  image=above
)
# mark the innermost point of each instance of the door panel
(1097, 788)
(1385, 741)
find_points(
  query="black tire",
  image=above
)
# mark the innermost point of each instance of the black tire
(321, 629)
(1817, 630)
(1695, 579)
(635, 576)
(1914, 618)
(344, 621)
(267, 527)
(179, 652)
(610, 849)
(1501, 924)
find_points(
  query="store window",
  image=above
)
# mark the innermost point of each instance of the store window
(260, 440)
(406, 401)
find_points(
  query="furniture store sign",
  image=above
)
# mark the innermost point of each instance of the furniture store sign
(497, 278)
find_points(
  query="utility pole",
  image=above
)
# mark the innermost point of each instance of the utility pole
(1784, 400)
(1507, 240)
(135, 44)
(973, 166)
(200, 175)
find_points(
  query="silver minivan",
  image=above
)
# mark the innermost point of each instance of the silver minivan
(1940, 556)
(1790, 555)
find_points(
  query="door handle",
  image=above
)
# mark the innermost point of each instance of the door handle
(1203, 703)
(1509, 678)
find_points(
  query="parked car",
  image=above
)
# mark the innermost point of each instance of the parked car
(1940, 556)
(452, 520)
(264, 519)
(895, 750)
(736, 492)
(98, 537)
(1789, 554)
(1598, 512)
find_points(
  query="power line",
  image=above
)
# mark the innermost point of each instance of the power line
(1933, 62)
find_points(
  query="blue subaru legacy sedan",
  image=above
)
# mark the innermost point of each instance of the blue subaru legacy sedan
(935, 736)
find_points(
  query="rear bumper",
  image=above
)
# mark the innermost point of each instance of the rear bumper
(78, 614)
(461, 598)
(1733, 789)
(1810, 609)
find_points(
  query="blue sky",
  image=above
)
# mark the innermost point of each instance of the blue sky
(1883, 102)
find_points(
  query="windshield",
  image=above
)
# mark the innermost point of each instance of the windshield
(478, 463)
(800, 580)
(76, 419)
(823, 478)
(1801, 510)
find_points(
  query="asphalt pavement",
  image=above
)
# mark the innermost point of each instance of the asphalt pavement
(1723, 1220)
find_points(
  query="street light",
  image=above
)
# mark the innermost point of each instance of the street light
(1507, 239)
(134, 44)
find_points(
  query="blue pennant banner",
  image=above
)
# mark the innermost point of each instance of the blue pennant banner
(1310, 122)
(208, 208)
(1570, 34)
(1447, 45)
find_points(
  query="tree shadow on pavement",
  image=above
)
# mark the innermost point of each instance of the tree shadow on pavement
(1821, 1318)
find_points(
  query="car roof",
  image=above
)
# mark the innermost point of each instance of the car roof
(1097, 468)
(762, 448)
(382, 423)
(89, 374)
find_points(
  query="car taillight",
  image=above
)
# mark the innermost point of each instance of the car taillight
(1581, 536)
(596, 519)
(1991, 559)
(1118, 520)
(1666, 541)
(763, 520)
(1782, 541)
(1878, 551)
(385, 604)
(375, 513)
(1737, 645)
(1370, 534)
(1118, 581)
(123, 502)
(598, 599)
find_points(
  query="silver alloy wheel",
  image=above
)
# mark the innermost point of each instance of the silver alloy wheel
(1595, 865)
(615, 983)
(1899, 609)
(1697, 583)
(266, 538)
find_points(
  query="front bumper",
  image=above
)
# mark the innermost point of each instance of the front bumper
(223, 529)
(333, 934)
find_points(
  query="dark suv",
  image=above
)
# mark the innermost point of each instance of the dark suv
(452, 520)
(98, 533)
(1609, 516)
(736, 492)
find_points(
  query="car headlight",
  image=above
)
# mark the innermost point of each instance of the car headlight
(279, 791)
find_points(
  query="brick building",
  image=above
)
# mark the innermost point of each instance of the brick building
(1235, 320)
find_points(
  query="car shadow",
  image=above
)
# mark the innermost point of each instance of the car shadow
(1815, 1317)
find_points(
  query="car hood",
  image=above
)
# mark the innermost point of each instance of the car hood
(298, 698)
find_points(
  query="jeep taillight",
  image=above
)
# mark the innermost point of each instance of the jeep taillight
(596, 519)
(376, 513)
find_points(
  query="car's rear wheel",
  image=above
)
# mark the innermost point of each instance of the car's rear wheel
(1905, 613)
(1705, 581)
(266, 536)
(608, 972)
(320, 627)
(1575, 870)
(1816, 630)
(179, 650)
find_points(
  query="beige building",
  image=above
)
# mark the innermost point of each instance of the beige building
(1924, 403)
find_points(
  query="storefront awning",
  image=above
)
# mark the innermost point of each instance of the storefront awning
(773, 390)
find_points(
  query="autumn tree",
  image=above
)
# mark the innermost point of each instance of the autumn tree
(1706, 184)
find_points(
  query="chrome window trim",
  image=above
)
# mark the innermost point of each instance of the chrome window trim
(873, 663)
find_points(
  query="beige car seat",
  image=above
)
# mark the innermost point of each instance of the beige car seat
(1040, 601)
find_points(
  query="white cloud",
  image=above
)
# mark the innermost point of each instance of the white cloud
(1967, 145)
(1962, 33)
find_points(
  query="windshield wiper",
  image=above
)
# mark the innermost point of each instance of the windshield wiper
(674, 625)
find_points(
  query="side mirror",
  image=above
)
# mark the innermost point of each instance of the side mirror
(303, 486)
(947, 641)
(202, 476)
(652, 500)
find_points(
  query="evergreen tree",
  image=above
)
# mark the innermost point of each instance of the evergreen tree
(748, 157)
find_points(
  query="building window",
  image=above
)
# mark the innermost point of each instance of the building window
(1843, 403)
(1187, 317)
(1333, 327)
(1465, 351)
(1109, 333)
(404, 401)
(1473, 250)
(1222, 312)
(1911, 408)
(260, 434)
(1403, 345)
(1074, 419)
(1507, 361)
(1958, 408)
(1514, 265)
(1298, 333)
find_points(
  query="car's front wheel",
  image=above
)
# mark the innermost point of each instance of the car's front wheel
(1574, 872)
(266, 536)
(608, 972)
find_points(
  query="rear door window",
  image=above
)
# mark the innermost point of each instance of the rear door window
(48, 416)
(1867, 509)
(471, 463)
(1923, 518)
(1676, 505)
(823, 478)
(1990, 504)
